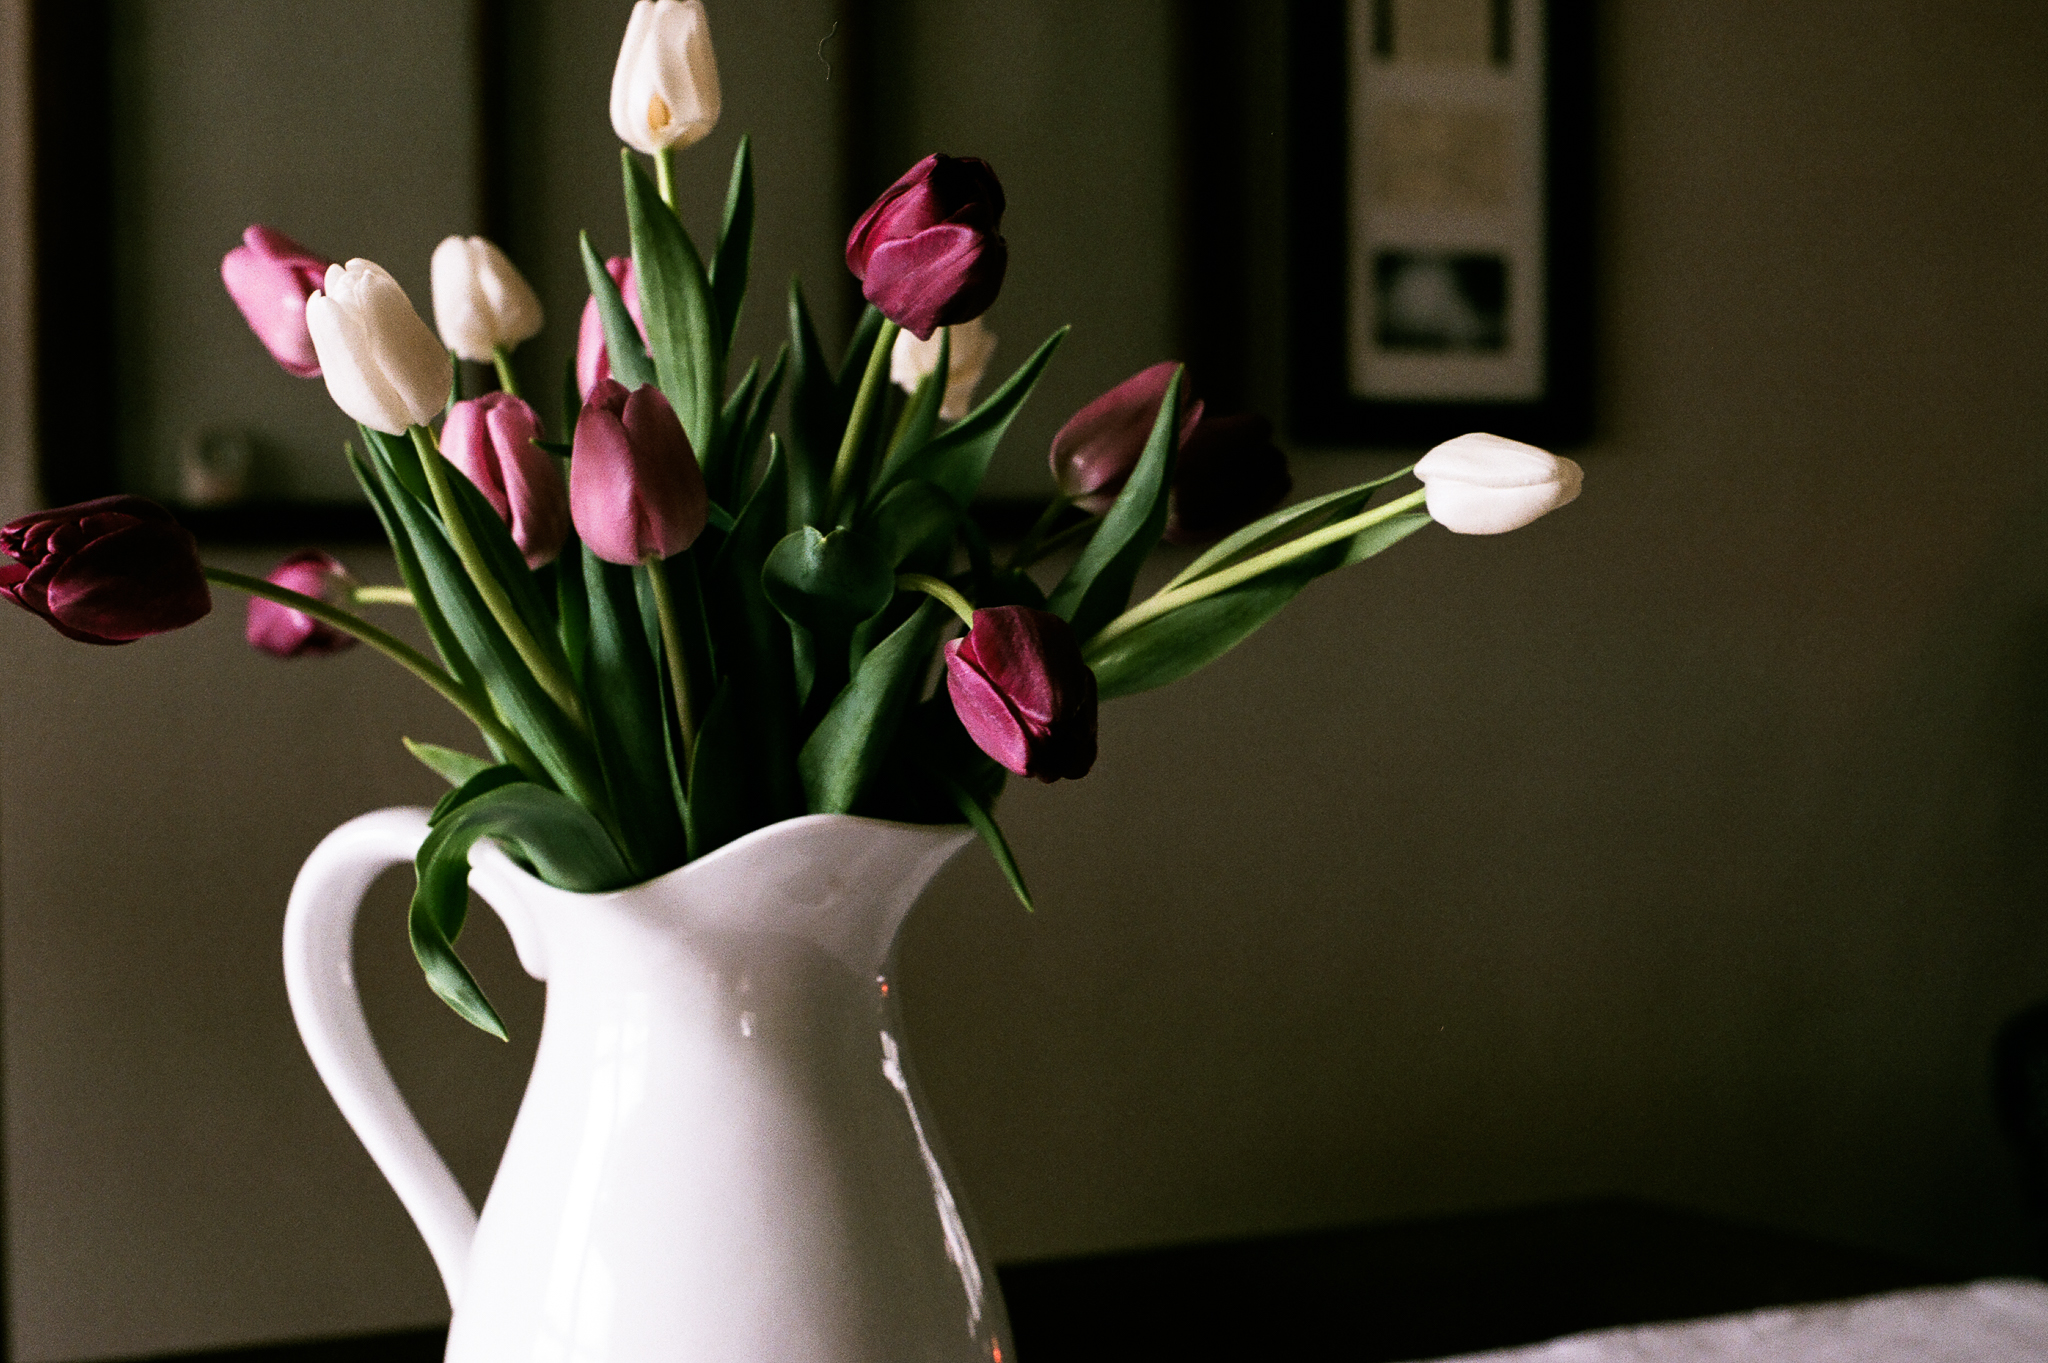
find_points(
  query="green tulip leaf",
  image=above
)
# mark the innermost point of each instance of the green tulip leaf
(683, 331)
(1169, 647)
(733, 259)
(545, 829)
(815, 417)
(620, 692)
(755, 648)
(718, 777)
(446, 643)
(827, 584)
(913, 514)
(1098, 586)
(957, 461)
(853, 365)
(628, 357)
(1285, 523)
(855, 737)
(983, 820)
(921, 414)
(448, 764)
(718, 461)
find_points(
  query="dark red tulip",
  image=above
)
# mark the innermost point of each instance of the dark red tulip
(1094, 453)
(593, 361)
(270, 277)
(105, 572)
(930, 252)
(635, 489)
(1023, 693)
(1230, 473)
(277, 629)
(492, 439)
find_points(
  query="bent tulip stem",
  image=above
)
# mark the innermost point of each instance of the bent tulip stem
(382, 596)
(672, 648)
(501, 360)
(396, 649)
(665, 176)
(1158, 604)
(940, 592)
(871, 385)
(493, 591)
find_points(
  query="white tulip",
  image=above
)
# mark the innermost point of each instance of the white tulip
(382, 365)
(665, 89)
(912, 361)
(1486, 484)
(481, 301)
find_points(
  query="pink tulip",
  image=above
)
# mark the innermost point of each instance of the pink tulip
(283, 632)
(593, 361)
(492, 440)
(1023, 693)
(1094, 453)
(635, 490)
(270, 276)
(930, 253)
(109, 571)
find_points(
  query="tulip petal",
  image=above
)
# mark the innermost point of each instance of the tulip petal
(989, 719)
(140, 580)
(943, 275)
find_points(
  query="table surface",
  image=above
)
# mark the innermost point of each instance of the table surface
(1372, 1294)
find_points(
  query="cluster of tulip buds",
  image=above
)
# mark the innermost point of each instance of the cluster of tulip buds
(1144, 462)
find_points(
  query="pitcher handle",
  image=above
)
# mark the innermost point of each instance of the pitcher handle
(320, 978)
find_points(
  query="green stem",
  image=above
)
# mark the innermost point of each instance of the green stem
(1026, 551)
(1152, 607)
(405, 655)
(672, 648)
(939, 591)
(665, 176)
(382, 596)
(493, 591)
(871, 385)
(501, 359)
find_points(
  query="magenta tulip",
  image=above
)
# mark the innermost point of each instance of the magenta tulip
(105, 572)
(593, 361)
(1023, 693)
(270, 277)
(929, 253)
(1229, 474)
(281, 631)
(635, 490)
(1094, 453)
(492, 439)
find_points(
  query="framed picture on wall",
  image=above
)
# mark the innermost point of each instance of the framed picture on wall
(1440, 220)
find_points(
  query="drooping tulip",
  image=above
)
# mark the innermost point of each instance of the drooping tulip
(1094, 453)
(282, 631)
(1229, 474)
(593, 361)
(109, 571)
(481, 301)
(930, 252)
(270, 276)
(635, 489)
(1487, 484)
(972, 346)
(492, 439)
(383, 366)
(1023, 693)
(665, 87)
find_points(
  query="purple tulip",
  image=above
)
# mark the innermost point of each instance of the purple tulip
(1094, 453)
(1023, 693)
(1230, 473)
(270, 277)
(593, 361)
(929, 253)
(282, 632)
(105, 572)
(635, 489)
(492, 440)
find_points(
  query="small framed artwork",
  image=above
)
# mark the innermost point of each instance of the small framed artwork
(1440, 220)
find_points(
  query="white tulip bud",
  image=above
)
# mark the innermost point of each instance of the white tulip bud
(665, 89)
(481, 301)
(912, 361)
(382, 365)
(1487, 484)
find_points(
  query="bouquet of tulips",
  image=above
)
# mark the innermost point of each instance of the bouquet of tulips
(680, 619)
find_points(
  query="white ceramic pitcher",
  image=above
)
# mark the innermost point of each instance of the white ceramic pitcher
(720, 1155)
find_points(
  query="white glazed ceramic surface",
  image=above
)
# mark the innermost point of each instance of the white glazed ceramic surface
(720, 1155)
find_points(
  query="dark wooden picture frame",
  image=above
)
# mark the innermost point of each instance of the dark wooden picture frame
(1326, 405)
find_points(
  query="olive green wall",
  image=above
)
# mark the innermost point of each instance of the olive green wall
(1685, 844)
